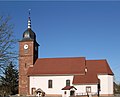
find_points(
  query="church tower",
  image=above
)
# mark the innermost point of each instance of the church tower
(28, 54)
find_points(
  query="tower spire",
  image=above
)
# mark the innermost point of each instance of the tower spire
(29, 20)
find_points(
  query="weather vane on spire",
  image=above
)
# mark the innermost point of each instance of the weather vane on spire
(29, 20)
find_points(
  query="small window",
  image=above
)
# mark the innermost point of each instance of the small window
(88, 89)
(25, 51)
(25, 65)
(67, 82)
(50, 82)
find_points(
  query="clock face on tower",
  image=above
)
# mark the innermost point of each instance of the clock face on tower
(25, 46)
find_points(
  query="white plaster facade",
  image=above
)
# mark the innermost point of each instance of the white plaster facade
(106, 84)
(42, 82)
(59, 82)
(81, 89)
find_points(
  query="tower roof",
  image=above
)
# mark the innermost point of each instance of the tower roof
(29, 34)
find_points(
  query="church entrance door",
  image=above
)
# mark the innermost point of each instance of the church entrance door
(72, 93)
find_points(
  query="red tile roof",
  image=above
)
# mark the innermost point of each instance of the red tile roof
(71, 66)
(94, 67)
(68, 88)
(85, 79)
(98, 67)
(58, 66)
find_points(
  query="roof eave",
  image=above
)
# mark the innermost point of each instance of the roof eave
(55, 74)
(86, 83)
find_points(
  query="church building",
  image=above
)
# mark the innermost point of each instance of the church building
(63, 77)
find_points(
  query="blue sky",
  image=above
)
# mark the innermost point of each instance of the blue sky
(71, 28)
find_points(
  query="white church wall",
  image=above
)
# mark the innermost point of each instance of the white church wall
(110, 86)
(81, 89)
(59, 82)
(106, 84)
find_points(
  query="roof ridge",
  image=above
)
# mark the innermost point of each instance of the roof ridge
(61, 58)
(96, 60)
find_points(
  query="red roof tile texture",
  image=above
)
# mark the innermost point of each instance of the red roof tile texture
(58, 66)
(68, 88)
(98, 66)
(94, 67)
(85, 79)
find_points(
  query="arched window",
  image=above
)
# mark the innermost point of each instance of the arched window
(50, 83)
(67, 82)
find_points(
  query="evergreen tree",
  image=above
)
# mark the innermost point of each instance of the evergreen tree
(9, 81)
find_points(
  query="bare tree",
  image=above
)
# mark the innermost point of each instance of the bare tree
(7, 42)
